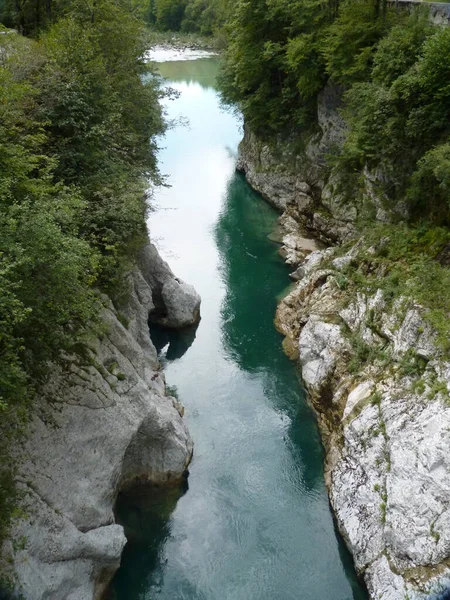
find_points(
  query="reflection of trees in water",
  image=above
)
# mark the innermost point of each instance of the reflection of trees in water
(144, 511)
(202, 71)
(253, 275)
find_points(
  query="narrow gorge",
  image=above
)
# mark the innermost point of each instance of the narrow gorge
(270, 420)
(100, 428)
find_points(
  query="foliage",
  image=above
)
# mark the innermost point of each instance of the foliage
(205, 17)
(272, 69)
(281, 54)
(395, 70)
(351, 40)
(79, 112)
(402, 262)
(169, 14)
(399, 118)
(394, 67)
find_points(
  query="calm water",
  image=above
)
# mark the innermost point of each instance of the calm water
(254, 521)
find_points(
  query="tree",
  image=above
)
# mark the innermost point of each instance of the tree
(79, 112)
(169, 14)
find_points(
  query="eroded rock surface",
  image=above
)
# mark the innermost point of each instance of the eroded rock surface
(176, 303)
(301, 184)
(99, 427)
(380, 387)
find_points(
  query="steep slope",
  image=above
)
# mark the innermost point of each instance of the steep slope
(99, 427)
(373, 366)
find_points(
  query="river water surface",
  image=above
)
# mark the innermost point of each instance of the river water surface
(254, 522)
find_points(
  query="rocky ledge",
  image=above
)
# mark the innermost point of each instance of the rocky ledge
(100, 427)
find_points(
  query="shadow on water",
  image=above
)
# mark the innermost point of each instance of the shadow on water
(253, 274)
(172, 343)
(145, 512)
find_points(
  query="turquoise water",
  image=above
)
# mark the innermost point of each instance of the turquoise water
(253, 521)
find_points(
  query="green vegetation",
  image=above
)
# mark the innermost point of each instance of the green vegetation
(399, 119)
(282, 52)
(392, 69)
(401, 260)
(78, 118)
(204, 17)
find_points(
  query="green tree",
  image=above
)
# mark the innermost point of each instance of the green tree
(273, 68)
(169, 14)
(79, 112)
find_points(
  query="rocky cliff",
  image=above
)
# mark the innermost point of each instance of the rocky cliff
(380, 388)
(99, 427)
(300, 182)
(374, 372)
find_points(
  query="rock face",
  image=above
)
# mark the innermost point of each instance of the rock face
(98, 428)
(439, 13)
(302, 184)
(381, 391)
(305, 187)
(176, 304)
(377, 380)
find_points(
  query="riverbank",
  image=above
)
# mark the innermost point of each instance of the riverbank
(184, 41)
(100, 426)
(255, 521)
(373, 366)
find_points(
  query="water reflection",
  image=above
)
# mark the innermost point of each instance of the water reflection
(256, 523)
(252, 272)
(201, 72)
(246, 269)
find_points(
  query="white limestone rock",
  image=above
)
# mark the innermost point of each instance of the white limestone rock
(176, 304)
(319, 346)
(182, 303)
(360, 393)
(386, 433)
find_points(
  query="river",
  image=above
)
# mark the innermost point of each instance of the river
(253, 521)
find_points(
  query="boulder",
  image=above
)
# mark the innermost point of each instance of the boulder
(175, 304)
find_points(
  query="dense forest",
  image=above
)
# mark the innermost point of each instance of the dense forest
(78, 118)
(392, 68)
(206, 17)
